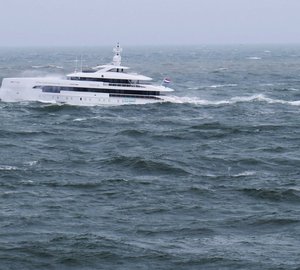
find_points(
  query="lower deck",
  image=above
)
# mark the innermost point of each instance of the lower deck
(69, 92)
(75, 98)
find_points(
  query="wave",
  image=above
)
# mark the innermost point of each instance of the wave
(31, 163)
(233, 100)
(291, 195)
(254, 58)
(220, 69)
(145, 165)
(21, 168)
(50, 106)
(181, 230)
(81, 185)
(223, 85)
(8, 168)
(273, 221)
(245, 173)
(47, 66)
(266, 84)
(80, 119)
(132, 133)
(203, 87)
(49, 102)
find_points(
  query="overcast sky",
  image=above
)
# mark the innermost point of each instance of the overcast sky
(148, 22)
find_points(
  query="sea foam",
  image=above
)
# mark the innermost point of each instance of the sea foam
(233, 100)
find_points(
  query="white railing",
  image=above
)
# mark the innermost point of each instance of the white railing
(124, 85)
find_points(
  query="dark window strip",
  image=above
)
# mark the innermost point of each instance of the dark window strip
(57, 89)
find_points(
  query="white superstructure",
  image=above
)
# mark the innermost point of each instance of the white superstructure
(110, 84)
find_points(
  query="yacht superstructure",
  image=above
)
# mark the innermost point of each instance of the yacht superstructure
(110, 84)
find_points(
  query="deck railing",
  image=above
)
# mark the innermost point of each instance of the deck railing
(124, 85)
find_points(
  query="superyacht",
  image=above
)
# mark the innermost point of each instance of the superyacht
(110, 84)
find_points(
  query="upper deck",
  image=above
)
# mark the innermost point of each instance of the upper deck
(113, 72)
(108, 72)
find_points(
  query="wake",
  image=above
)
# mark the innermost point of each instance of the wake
(233, 100)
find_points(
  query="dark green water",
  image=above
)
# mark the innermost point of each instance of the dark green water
(210, 180)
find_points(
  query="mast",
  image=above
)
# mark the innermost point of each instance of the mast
(117, 57)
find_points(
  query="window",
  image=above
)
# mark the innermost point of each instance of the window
(57, 89)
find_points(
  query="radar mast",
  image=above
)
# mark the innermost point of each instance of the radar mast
(117, 57)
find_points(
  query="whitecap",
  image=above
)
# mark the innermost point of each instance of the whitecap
(197, 101)
(8, 168)
(47, 66)
(233, 100)
(259, 97)
(31, 163)
(254, 58)
(267, 84)
(295, 103)
(279, 101)
(245, 173)
(216, 85)
(80, 119)
(223, 85)
(193, 88)
(26, 182)
(220, 69)
(54, 66)
(190, 100)
(47, 101)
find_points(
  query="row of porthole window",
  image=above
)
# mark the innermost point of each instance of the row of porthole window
(81, 99)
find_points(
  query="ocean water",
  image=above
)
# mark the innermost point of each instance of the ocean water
(208, 180)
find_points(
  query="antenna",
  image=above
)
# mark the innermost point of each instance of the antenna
(117, 57)
(76, 64)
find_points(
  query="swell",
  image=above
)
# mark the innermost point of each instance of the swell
(208, 180)
(63, 250)
(86, 185)
(55, 108)
(217, 130)
(23, 133)
(145, 165)
(274, 195)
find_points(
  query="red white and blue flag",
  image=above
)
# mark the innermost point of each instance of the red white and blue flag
(166, 81)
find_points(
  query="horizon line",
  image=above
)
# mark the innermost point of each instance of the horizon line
(152, 45)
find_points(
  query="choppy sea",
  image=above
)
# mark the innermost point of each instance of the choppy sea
(209, 180)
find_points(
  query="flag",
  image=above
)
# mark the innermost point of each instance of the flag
(166, 81)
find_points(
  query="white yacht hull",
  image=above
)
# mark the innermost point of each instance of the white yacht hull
(102, 85)
(20, 89)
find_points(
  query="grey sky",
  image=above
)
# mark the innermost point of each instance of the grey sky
(148, 22)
